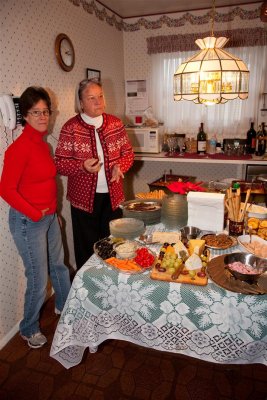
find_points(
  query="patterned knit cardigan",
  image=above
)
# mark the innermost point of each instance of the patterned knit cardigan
(77, 143)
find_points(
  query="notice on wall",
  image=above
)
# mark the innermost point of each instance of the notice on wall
(136, 97)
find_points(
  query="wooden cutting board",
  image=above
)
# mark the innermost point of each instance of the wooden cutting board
(165, 276)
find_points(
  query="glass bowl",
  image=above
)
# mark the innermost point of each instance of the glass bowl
(125, 250)
(126, 228)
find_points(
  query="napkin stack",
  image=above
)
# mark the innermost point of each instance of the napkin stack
(206, 210)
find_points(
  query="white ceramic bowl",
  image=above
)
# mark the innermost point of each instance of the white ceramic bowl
(255, 211)
(126, 249)
(243, 239)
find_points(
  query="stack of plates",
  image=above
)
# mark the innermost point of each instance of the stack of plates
(127, 228)
(174, 212)
(148, 211)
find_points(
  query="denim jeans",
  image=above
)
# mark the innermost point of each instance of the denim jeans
(40, 247)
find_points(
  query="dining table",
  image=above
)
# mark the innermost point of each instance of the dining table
(208, 322)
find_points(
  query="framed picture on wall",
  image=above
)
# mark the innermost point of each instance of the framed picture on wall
(93, 74)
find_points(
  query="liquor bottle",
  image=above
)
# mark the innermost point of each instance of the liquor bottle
(251, 139)
(260, 140)
(201, 140)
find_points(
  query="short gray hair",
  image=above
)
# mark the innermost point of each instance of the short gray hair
(81, 88)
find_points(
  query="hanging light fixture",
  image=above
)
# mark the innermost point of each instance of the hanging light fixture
(213, 75)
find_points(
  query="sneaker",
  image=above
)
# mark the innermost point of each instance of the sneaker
(36, 340)
(57, 312)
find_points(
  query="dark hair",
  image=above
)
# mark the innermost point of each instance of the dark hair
(30, 97)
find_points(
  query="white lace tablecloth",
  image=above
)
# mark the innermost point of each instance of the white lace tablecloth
(206, 322)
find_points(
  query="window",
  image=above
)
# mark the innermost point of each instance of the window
(225, 120)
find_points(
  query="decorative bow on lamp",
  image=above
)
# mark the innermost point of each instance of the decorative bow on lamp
(213, 75)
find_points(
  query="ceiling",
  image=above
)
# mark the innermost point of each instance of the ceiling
(138, 8)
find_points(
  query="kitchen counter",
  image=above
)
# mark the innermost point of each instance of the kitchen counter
(194, 158)
(149, 167)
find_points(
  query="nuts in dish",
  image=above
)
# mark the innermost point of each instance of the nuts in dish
(220, 241)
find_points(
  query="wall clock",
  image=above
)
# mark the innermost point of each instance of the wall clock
(64, 52)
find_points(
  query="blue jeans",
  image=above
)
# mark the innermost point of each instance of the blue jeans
(40, 247)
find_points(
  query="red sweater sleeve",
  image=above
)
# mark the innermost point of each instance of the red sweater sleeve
(14, 166)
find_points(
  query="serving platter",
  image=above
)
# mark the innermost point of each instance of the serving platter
(149, 211)
(211, 240)
(245, 239)
(142, 205)
(222, 277)
(113, 261)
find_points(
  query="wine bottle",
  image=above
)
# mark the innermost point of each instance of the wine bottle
(251, 139)
(201, 140)
(260, 140)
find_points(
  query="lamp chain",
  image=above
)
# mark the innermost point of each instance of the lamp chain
(212, 17)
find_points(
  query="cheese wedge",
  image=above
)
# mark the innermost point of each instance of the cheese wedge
(179, 246)
(193, 262)
(196, 246)
(166, 237)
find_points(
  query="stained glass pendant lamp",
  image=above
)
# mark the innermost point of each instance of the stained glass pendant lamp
(213, 75)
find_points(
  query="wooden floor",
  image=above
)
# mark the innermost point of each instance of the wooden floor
(121, 371)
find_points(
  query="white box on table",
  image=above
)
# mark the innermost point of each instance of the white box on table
(206, 210)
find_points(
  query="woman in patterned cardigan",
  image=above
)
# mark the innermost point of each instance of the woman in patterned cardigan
(94, 152)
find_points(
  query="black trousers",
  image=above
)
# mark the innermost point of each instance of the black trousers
(88, 228)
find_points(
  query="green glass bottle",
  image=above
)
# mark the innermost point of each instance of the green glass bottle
(201, 140)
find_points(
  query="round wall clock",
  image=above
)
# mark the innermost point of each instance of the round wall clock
(64, 52)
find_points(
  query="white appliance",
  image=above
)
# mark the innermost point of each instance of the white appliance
(145, 140)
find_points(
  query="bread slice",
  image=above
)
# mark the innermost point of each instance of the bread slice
(166, 237)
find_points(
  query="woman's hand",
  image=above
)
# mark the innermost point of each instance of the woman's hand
(44, 212)
(92, 165)
(116, 174)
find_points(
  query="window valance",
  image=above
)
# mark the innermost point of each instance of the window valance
(237, 38)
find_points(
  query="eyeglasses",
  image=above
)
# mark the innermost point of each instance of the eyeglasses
(37, 113)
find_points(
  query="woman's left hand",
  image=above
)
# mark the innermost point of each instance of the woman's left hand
(116, 174)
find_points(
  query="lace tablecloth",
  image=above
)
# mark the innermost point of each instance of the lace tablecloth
(206, 322)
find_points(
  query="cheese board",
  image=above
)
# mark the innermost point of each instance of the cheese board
(165, 276)
(176, 263)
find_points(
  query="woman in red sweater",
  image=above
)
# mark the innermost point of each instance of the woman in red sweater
(28, 185)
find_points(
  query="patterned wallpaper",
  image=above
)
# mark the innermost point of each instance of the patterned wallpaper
(28, 32)
(138, 62)
(101, 41)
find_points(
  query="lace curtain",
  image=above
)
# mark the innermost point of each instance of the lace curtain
(228, 120)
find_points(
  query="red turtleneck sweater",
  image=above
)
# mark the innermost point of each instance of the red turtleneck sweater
(28, 181)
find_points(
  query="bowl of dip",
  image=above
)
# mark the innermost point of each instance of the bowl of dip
(245, 267)
(126, 249)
